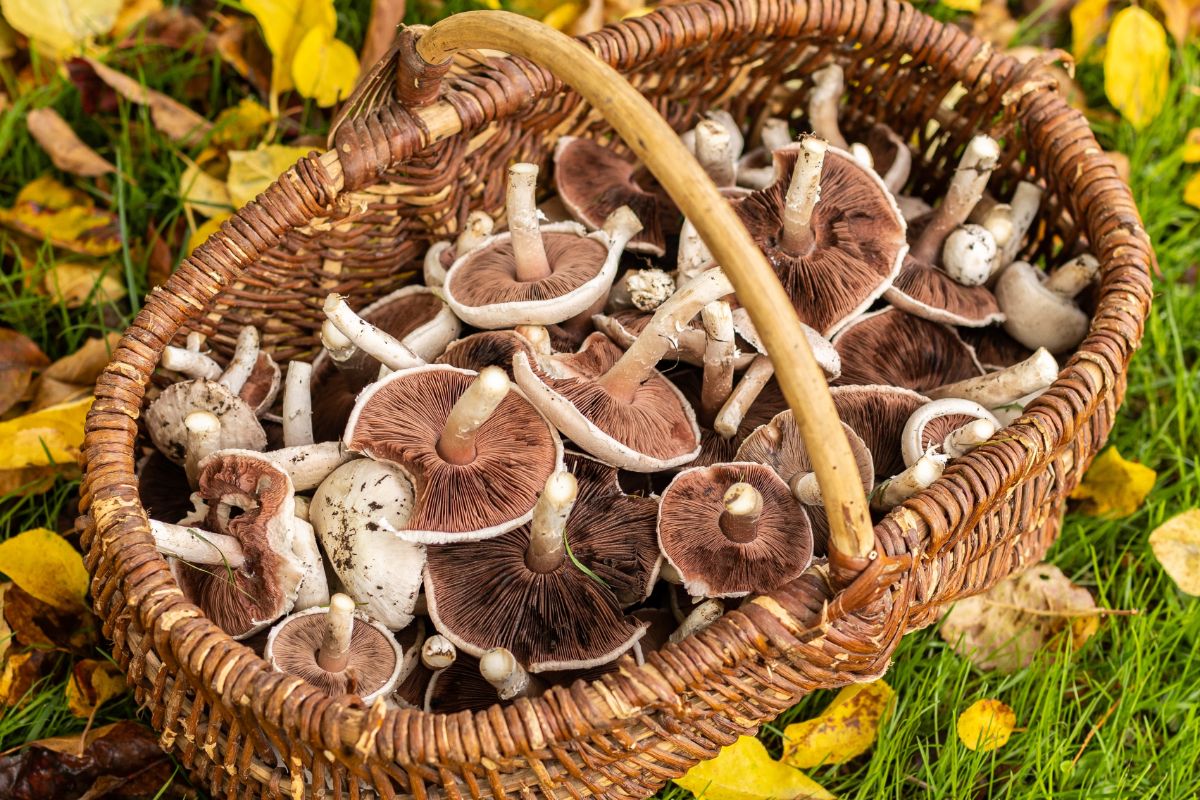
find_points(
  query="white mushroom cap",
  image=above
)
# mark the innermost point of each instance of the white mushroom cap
(240, 428)
(968, 253)
(1036, 315)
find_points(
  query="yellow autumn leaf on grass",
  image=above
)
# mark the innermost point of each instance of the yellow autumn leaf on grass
(252, 171)
(963, 5)
(1191, 146)
(1089, 20)
(201, 234)
(745, 771)
(1137, 66)
(324, 68)
(60, 25)
(74, 285)
(986, 725)
(48, 437)
(45, 566)
(1176, 545)
(1182, 18)
(1114, 486)
(93, 683)
(203, 193)
(1191, 192)
(844, 730)
(242, 125)
(46, 210)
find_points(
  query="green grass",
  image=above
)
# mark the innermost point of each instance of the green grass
(1141, 672)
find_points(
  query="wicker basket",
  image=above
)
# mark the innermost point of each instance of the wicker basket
(419, 148)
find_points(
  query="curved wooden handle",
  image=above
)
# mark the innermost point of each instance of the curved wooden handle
(659, 148)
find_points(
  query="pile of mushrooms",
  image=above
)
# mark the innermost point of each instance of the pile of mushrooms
(568, 445)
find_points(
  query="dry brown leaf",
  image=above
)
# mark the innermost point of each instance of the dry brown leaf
(41, 625)
(85, 364)
(174, 119)
(1004, 628)
(386, 15)
(1176, 545)
(21, 671)
(66, 150)
(19, 357)
(49, 392)
(6, 633)
(93, 683)
(994, 23)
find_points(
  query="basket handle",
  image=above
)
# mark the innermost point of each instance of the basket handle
(758, 289)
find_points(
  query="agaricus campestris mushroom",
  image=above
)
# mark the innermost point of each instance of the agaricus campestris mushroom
(756, 169)
(924, 289)
(878, 415)
(593, 182)
(732, 529)
(441, 255)
(1040, 310)
(1023, 210)
(338, 650)
(530, 590)
(893, 347)
(891, 157)
(352, 512)
(687, 344)
(968, 254)
(239, 427)
(1004, 386)
(535, 275)
(496, 348)
(829, 82)
(831, 231)
(477, 452)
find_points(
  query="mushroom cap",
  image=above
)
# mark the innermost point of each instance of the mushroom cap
(163, 488)
(878, 415)
(656, 431)
(410, 310)
(1037, 316)
(240, 428)
(994, 348)
(920, 355)
(485, 595)
(859, 239)
(483, 288)
(883, 144)
(261, 388)
(926, 291)
(929, 425)
(459, 687)
(822, 349)
(593, 182)
(486, 349)
(400, 419)
(778, 445)
(712, 565)
(246, 600)
(715, 448)
(375, 656)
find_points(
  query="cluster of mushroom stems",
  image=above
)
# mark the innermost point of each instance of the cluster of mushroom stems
(567, 445)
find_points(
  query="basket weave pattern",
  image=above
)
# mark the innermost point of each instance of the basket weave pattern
(404, 177)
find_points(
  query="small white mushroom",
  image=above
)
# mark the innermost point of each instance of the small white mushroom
(309, 464)
(726, 121)
(479, 226)
(828, 86)
(1004, 386)
(1023, 210)
(297, 405)
(196, 546)
(968, 254)
(996, 217)
(643, 289)
(979, 159)
(774, 135)
(956, 442)
(1041, 311)
(499, 667)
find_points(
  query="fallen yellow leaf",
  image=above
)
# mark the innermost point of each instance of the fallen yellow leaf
(963, 5)
(62, 27)
(48, 437)
(1113, 486)
(48, 211)
(745, 771)
(47, 567)
(1191, 146)
(844, 730)
(1137, 66)
(986, 725)
(65, 149)
(21, 671)
(201, 234)
(203, 193)
(240, 126)
(1182, 18)
(284, 24)
(324, 68)
(93, 683)
(1089, 20)
(75, 285)
(1191, 191)
(1176, 545)
(252, 171)
(133, 12)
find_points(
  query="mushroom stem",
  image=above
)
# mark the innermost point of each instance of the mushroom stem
(828, 85)
(996, 217)
(191, 363)
(473, 408)
(756, 376)
(669, 573)
(195, 341)
(479, 226)
(499, 667)
(917, 478)
(965, 439)
(377, 343)
(1074, 276)
(912, 438)
(340, 348)
(743, 507)
(547, 532)
(638, 362)
(698, 619)
(714, 151)
(297, 405)
(538, 336)
(438, 652)
(203, 439)
(1026, 200)
(901, 167)
(521, 206)
(334, 654)
(966, 188)
(693, 254)
(802, 195)
(309, 464)
(862, 154)
(806, 488)
(197, 546)
(998, 388)
(643, 289)
(245, 356)
(718, 359)
(775, 134)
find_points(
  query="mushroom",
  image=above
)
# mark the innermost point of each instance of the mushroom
(732, 529)
(593, 182)
(551, 591)
(500, 668)
(699, 618)
(828, 85)
(896, 348)
(496, 348)
(756, 169)
(352, 512)
(239, 425)
(891, 156)
(1040, 310)
(533, 274)
(836, 256)
(687, 343)
(643, 289)
(968, 254)
(1023, 210)
(441, 255)
(714, 150)
(778, 445)
(477, 452)
(917, 478)
(615, 405)
(925, 290)
(338, 650)
(1005, 386)
(459, 687)
(878, 415)
(726, 121)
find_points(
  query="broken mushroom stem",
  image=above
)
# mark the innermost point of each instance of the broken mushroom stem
(196, 546)
(203, 430)
(245, 356)
(190, 363)
(828, 86)
(718, 359)
(1004, 386)
(743, 506)
(339, 347)
(297, 405)
(377, 343)
(499, 667)
(473, 408)
(334, 653)
(956, 442)
(438, 652)
(917, 478)
(804, 191)
(529, 252)
(981, 156)
(547, 531)
(1074, 276)
(479, 226)
(966, 438)
(714, 151)
(806, 488)
(1023, 211)
(638, 362)
(752, 382)
(698, 619)
(643, 289)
